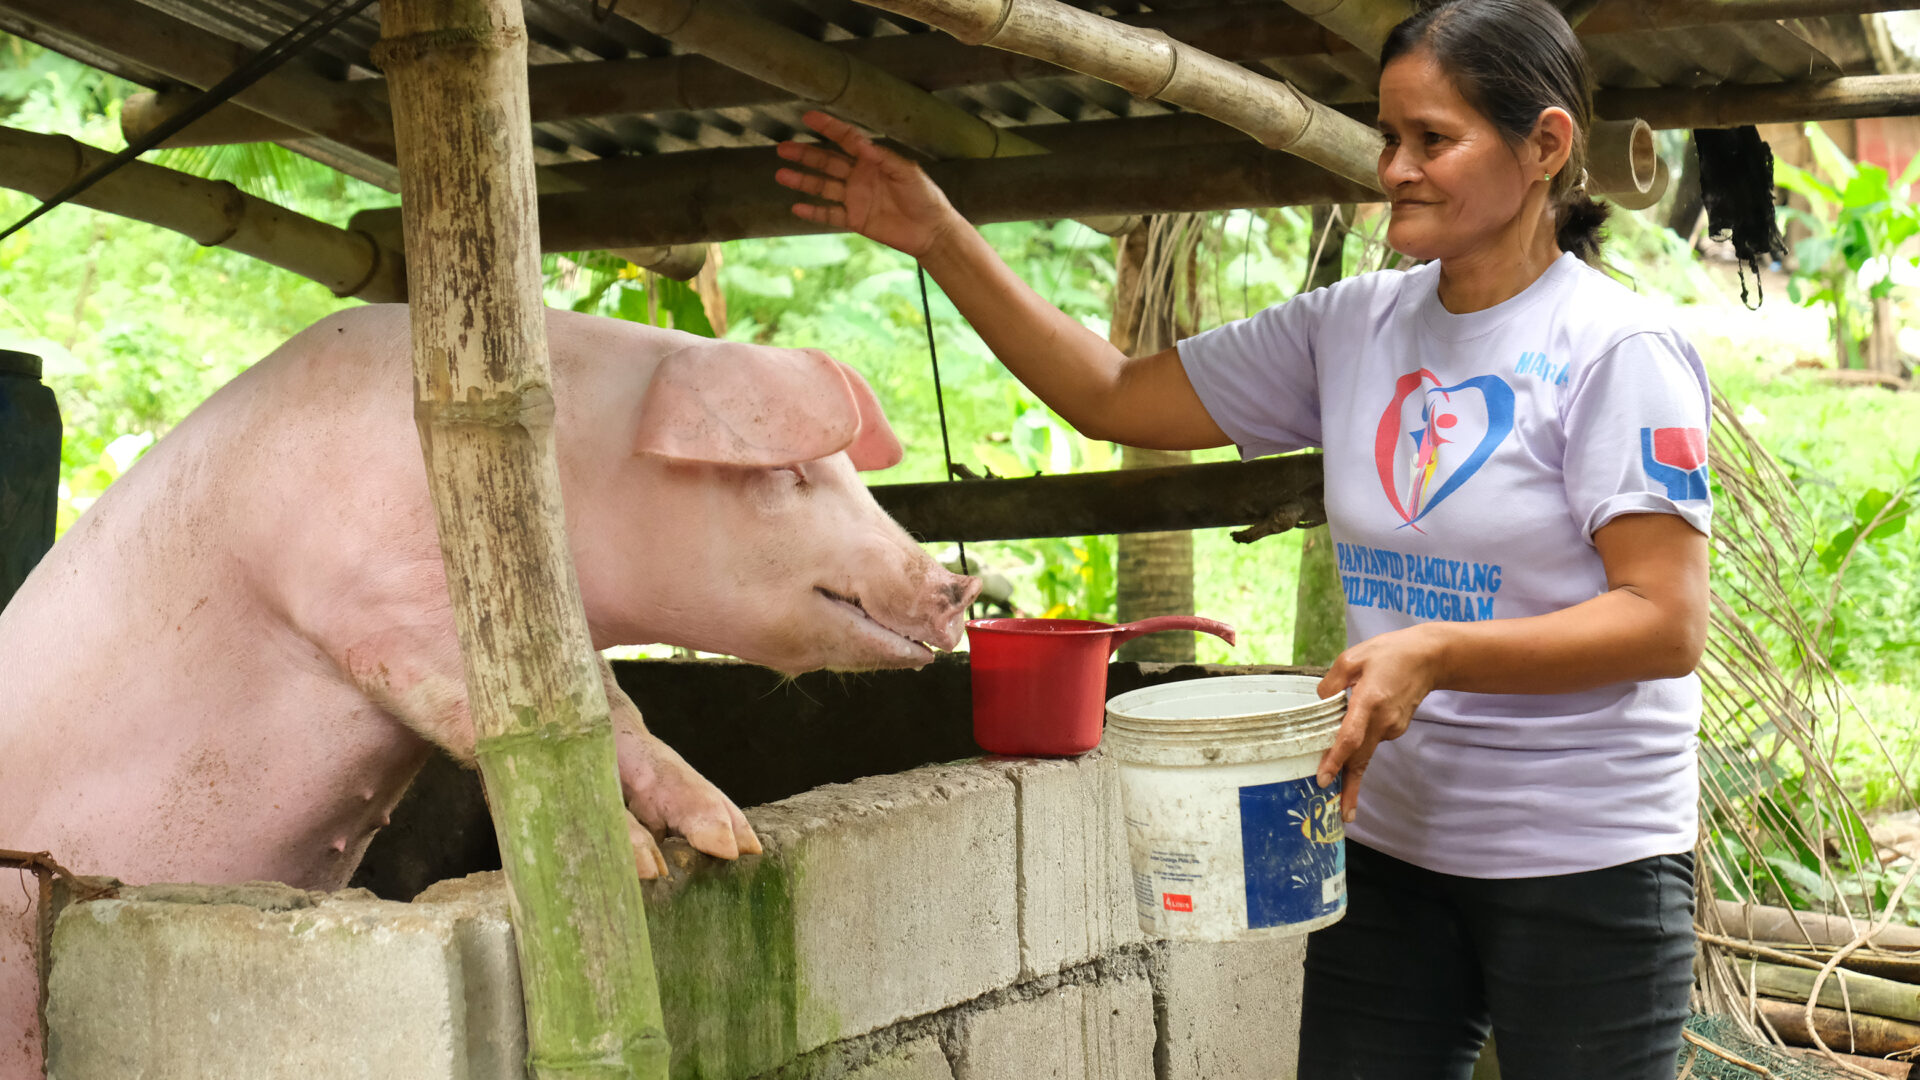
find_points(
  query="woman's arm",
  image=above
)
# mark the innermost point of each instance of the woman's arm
(1651, 623)
(1146, 401)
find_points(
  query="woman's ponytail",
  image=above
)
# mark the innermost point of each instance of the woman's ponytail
(1582, 225)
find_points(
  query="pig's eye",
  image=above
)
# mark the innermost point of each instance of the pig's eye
(793, 472)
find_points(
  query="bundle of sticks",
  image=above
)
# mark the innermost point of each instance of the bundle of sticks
(1841, 990)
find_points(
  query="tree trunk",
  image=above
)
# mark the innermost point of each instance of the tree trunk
(1883, 349)
(1320, 604)
(484, 404)
(1154, 571)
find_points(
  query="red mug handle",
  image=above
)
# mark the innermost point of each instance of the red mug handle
(1170, 622)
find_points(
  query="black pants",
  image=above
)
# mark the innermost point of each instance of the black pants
(1578, 976)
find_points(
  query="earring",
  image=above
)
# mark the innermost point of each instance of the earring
(1548, 177)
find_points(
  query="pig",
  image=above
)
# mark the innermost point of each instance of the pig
(234, 663)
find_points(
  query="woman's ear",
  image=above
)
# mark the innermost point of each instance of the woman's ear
(1552, 139)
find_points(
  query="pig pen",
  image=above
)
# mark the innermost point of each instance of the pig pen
(920, 913)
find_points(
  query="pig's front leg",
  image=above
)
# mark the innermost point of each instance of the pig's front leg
(666, 794)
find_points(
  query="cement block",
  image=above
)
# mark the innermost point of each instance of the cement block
(1076, 899)
(902, 890)
(268, 983)
(1100, 1030)
(920, 1059)
(1230, 1011)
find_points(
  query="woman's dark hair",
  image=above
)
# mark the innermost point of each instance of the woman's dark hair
(1512, 60)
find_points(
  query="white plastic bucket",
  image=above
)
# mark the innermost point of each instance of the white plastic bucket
(1230, 835)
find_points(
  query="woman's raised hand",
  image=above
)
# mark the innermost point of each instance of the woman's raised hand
(872, 191)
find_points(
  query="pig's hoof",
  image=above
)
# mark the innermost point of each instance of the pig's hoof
(667, 796)
(648, 860)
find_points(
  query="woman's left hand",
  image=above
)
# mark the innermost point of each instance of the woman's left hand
(1386, 678)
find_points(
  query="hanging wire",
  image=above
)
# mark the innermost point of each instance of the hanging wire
(250, 71)
(940, 403)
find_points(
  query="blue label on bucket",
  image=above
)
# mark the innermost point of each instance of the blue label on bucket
(1290, 837)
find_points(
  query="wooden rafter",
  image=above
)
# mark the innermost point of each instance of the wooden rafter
(831, 79)
(1276, 493)
(713, 195)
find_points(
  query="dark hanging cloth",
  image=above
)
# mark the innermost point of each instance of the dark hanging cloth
(1736, 183)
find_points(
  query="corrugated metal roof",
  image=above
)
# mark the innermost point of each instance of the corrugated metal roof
(567, 32)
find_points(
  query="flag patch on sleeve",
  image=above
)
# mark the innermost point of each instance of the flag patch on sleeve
(1676, 458)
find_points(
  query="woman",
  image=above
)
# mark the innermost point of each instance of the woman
(1516, 486)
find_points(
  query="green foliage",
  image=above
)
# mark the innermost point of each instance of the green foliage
(601, 284)
(136, 325)
(1858, 221)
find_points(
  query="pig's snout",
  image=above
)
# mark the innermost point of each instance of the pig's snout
(962, 591)
(953, 596)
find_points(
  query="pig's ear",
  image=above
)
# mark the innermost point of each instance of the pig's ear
(875, 447)
(730, 403)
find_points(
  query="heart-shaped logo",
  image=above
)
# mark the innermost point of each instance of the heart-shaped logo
(1433, 438)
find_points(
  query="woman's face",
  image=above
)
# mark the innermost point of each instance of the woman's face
(1456, 185)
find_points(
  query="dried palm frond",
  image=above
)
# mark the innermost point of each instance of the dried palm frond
(1778, 825)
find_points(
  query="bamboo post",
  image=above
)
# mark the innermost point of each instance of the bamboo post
(1153, 571)
(1149, 64)
(485, 411)
(1320, 601)
(212, 212)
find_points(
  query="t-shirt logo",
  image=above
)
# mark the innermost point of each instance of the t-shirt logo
(1432, 439)
(1676, 458)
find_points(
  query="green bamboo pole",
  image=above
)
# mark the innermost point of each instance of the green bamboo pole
(1320, 605)
(484, 405)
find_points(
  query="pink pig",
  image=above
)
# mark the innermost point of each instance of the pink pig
(233, 665)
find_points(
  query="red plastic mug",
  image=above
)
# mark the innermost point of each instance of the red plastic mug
(1040, 685)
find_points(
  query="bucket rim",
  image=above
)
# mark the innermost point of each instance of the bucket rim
(1223, 685)
(1050, 627)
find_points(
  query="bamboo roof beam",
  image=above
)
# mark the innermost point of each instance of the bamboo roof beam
(1617, 16)
(715, 195)
(225, 125)
(1364, 23)
(212, 212)
(1847, 98)
(1149, 64)
(830, 78)
(728, 33)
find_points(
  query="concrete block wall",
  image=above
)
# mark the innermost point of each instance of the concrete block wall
(955, 922)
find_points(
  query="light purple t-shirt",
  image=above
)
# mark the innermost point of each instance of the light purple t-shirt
(1469, 460)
